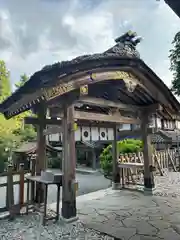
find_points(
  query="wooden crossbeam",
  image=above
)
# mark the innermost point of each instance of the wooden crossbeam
(106, 103)
(104, 118)
(35, 121)
(53, 130)
(89, 116)
(135, 133)
(126, 107)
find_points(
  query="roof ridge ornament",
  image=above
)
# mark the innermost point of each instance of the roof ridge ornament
(126, 45)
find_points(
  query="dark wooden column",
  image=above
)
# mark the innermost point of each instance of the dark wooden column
(41, 149)
(69, 164)
(94, 165)
(147, 152)
(115, 176)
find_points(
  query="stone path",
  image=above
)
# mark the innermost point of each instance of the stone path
(132, 216)
(109, 214)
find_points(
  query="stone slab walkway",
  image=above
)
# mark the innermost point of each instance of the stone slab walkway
(132, 216)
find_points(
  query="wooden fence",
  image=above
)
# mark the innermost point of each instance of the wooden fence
(166, 159)
(8, 182)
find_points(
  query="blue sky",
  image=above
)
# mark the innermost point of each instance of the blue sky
(40, 32)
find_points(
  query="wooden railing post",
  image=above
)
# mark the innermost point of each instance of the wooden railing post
(33, 171)
(21, 185)
(10, 192)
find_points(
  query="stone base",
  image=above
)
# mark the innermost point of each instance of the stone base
(68, 209)
(116, 186)
(69, 220)
(148, 191)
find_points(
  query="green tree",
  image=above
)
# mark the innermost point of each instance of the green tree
(27, 132)
(175, 64)
(5, 85)
(23, 79)
(7, 139)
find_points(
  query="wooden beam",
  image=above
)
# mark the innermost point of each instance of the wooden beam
(104, 118)
(133, 133)
(89, 116)
(152, 108)
(106, 103)
(126, 107)
(35, 121)
(52, 130)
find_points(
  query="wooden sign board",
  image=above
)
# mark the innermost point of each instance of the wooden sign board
(62, 88)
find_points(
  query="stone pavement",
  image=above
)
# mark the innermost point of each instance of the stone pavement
(110, 214)
(132, 216)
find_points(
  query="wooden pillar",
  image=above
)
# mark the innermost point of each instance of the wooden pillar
(94, 159)
(69, 165)
(41, 150)
(115, 175)
(147, 152)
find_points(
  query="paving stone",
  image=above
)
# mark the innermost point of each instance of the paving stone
(141, 237)
(160, 223)
(117, 232)
(168, 234)
(143, 227)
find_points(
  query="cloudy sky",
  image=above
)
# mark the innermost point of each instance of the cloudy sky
(39, 32)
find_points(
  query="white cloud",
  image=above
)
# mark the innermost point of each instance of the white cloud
(35, 33)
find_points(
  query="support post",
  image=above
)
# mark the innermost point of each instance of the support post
(33, 172)
(10, 193)
(21, 186)
(94, 159)
(69, 165)
(41, 151)
(115, 175)
(147, 153)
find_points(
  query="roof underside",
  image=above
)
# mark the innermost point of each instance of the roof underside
(30, 147)
(174, 5)
(122, 57)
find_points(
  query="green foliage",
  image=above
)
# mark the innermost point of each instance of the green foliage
(175, 64)
(23, 79)
(27, 134)
(5, 86)
(124, 146)
(55, 162)
(12, 131)
(7, 144)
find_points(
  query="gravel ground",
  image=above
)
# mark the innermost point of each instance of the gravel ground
(30, 228)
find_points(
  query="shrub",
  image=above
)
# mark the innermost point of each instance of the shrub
(55, 162)
(124, 146)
